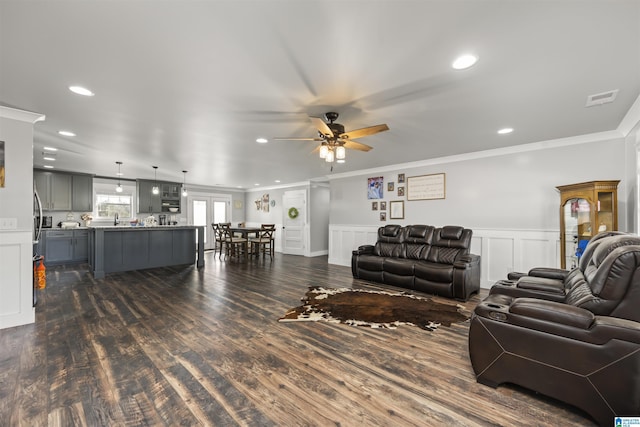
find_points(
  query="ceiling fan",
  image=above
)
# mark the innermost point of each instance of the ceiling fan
(334, 140)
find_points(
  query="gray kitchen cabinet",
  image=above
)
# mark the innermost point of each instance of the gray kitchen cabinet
(64, 191)
(82, 193)
(147, 201)
(54, 190)
(58, 246)
(65, 246)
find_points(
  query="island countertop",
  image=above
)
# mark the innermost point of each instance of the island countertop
(125, 247)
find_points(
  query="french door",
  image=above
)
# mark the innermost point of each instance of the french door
(205, 209)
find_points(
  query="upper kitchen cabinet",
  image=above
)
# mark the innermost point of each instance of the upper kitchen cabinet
(82, 193)
(167, 199)
(147, 201)
(64, 191)
(54, 190)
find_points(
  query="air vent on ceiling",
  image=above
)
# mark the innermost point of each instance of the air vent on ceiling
(601, 98)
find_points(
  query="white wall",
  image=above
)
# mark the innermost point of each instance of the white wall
(507, 197)
(319, 202)
(16, 202)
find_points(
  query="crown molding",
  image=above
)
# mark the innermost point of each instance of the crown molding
(534, 146)
(20, 115)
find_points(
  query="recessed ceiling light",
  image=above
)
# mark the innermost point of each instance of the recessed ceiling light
(66, 133)
(51, 159)
(81, 91)
(48, 166)
(504, 131)
(256, 184)
(277, 180)
(262, 140)
(464, 61)
(49, 149)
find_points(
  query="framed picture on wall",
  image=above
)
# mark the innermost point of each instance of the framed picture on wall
(390, 186)
(375, 187)
(400, 178)
(374, 206)
(383, 216)
(396, 209)
(383, 206)
(426, 187)
(401, 191)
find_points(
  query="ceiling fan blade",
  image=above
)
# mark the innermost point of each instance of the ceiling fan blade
(297, 139)
(354, 145)
(359, 133)
(321, 126)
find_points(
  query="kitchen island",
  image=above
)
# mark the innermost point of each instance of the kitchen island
(124, 248)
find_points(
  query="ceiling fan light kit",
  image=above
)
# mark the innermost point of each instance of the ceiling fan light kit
(334, 140)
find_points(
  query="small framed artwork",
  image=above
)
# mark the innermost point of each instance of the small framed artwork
(375, 188)
(396, 209)
(374, 206)
(390, 186)
(401, 191)
(400, 178)
(383, 216)
(383, 206)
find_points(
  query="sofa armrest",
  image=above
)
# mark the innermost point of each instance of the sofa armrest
(363, 250)
(466, 276)
(551, 311)
(541, 284)
(467, 261)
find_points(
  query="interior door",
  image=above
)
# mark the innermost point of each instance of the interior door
(293, 229)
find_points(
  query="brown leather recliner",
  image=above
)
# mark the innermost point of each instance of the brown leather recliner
(583, 348)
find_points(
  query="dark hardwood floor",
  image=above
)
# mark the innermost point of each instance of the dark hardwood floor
(181, 346)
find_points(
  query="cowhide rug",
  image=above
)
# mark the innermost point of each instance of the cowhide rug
(376, 309)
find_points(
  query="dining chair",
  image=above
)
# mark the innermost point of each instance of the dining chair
(234, 246)
(218, 239)
(265, 241)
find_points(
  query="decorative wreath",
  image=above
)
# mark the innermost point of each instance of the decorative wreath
(293, 213)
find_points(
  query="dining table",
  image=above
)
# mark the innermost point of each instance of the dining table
(245, 232)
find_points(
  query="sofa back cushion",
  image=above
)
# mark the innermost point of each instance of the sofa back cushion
(449, 243)
(390, 239)
(417, 241)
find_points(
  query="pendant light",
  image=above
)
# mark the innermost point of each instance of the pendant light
(119, 187)
(184, 184)
(155, 190)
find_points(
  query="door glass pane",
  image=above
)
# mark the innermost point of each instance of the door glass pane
(605, 211)
(577, 221)
(200, 215)
(219, 212)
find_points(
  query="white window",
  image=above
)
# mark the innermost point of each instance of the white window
(108, 202)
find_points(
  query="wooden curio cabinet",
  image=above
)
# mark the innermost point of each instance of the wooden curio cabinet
(586, 209)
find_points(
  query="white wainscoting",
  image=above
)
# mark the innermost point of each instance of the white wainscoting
(500, 250)
(16, 279)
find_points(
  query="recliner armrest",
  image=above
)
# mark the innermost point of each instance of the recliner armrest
(549, 273)
(364, 250)
(551, 311)
(552, 286)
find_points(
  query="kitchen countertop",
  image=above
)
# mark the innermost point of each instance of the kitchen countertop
(150, 227)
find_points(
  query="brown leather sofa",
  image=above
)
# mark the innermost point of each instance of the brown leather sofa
(577, 340)
(423, 258)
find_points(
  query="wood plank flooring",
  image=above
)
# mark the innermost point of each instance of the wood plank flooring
(182, 346)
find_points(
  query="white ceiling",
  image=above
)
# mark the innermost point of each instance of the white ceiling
(190, 85)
